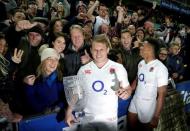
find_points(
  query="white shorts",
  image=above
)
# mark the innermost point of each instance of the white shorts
(144, 108)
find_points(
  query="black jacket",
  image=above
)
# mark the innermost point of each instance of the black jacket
(72, 59)
(131, 59)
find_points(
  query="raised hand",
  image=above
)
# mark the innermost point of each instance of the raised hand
(154, 4)
(24, 24)
(16, 58)
(30, 79)
(85, 58)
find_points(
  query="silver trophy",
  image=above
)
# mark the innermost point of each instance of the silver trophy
(75, 92)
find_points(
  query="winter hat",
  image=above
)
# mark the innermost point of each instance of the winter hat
(42, 47)
(49, 52)
(41, 20)
(36, 29)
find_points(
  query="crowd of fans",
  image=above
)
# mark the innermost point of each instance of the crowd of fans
(28, 28)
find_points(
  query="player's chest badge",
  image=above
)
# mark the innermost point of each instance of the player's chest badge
(87, 71)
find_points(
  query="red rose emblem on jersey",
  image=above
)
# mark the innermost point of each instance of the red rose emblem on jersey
(87, 71)
(112, 70)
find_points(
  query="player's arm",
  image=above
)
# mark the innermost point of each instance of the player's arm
(134, 84)
(160, 103)
(125, 90)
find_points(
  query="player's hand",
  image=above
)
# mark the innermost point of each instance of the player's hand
(69, 118)
(123, 93)
(154, 122)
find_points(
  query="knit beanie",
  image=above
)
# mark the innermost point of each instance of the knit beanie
(36, 29)
(49, 52)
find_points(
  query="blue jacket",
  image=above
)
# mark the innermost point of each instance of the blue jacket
(46, 93)
(175, 65)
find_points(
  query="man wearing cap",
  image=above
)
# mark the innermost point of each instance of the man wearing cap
(30, 44)
(30, 61)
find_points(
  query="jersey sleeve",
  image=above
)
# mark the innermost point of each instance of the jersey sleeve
(162, 76)
(122, 76)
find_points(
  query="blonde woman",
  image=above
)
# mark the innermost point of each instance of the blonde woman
(45, 91)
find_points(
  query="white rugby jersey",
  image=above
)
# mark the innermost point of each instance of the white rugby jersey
(102, 102)
(150, 76)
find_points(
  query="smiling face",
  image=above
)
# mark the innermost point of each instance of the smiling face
(103, 11)
(58, 26)
(126, 40)
(99, 52)
(49, 65)
(77, 38)
(3, 46)
(34, 38)
(59, 44)
(140, 35)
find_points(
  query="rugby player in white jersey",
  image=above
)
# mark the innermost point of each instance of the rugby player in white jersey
(102, 77)
(148, 100)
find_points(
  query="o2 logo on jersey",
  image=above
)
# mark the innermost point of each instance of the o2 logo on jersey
(98, 86)
(141, 77)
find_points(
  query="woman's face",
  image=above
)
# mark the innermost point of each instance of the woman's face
(58, 26)
(3, 46)
(50, 65)
(59, 44)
